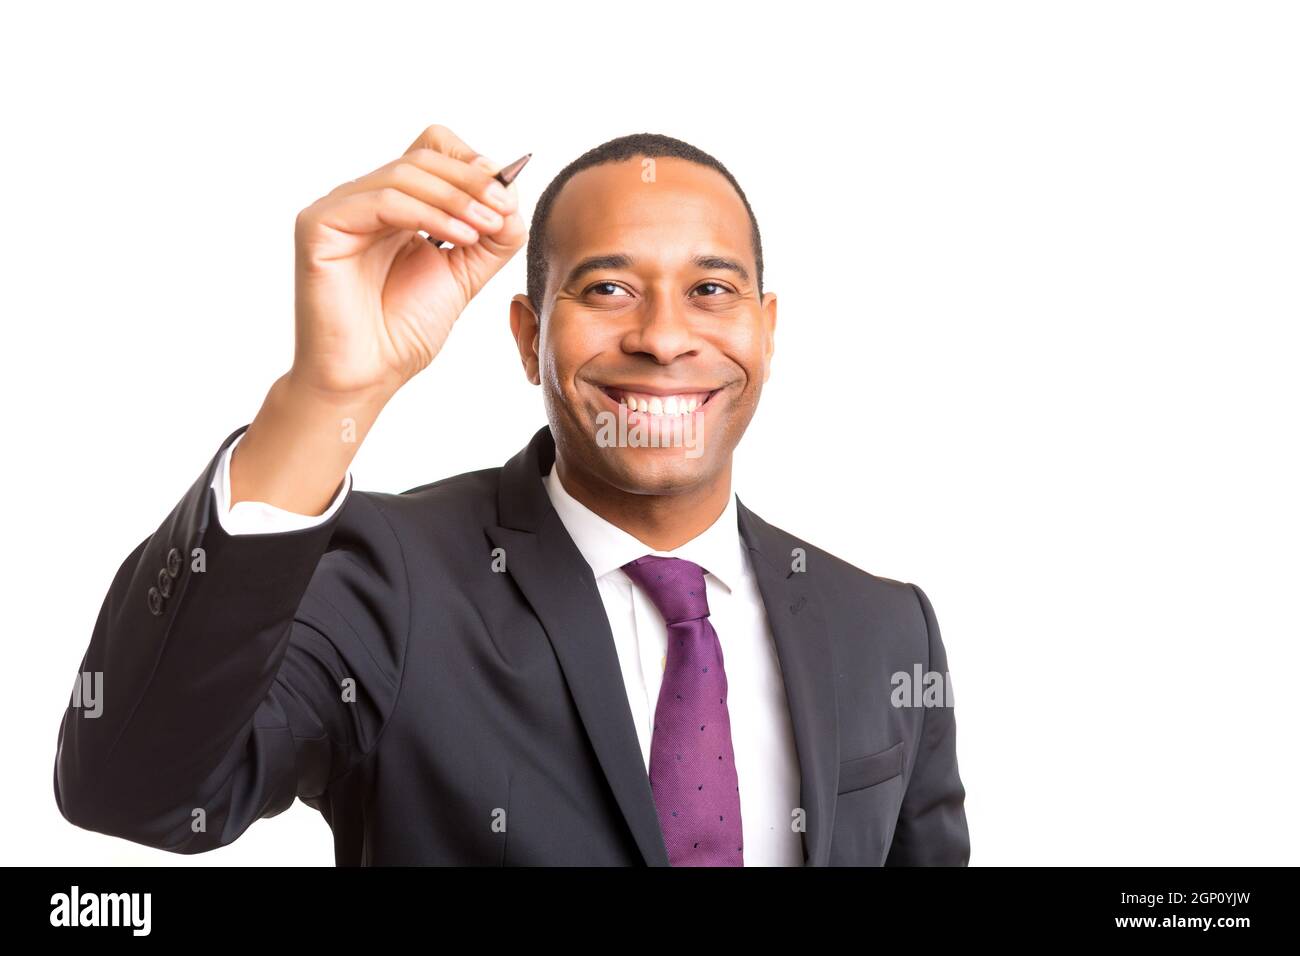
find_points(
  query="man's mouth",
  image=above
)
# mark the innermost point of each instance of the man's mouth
(655, 401)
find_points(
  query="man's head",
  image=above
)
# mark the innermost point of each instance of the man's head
(645, 282)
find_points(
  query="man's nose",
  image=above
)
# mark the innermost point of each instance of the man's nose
(662, 328)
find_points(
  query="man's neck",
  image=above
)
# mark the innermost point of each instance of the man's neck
(663, 522)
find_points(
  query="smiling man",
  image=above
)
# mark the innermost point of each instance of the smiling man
(645, 290)
(595, 654)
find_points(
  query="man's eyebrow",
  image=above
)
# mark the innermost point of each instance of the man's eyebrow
(722, 262)
(621, 260)
(612, 260)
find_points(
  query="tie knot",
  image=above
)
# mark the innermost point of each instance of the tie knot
(676, 586)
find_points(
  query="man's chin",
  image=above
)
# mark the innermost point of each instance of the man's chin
(653, 471)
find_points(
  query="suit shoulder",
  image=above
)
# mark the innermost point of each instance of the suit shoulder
(840, 577)
(467, 484)
(469, 498)
(882, 606)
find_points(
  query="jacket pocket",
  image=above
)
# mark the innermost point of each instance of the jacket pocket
(871, 769)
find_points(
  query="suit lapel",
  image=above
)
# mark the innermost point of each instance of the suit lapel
(558, 584)
(796, 616)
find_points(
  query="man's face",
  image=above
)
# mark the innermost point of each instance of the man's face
(651, 296)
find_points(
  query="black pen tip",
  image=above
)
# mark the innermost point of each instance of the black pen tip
(506, 175)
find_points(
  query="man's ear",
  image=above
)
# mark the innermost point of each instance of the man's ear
(526, 328)
(769, 333)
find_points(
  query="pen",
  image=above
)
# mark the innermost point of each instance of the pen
(505, 176)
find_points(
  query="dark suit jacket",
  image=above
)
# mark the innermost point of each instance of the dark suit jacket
(478, 697)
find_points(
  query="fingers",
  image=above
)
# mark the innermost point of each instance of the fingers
(442, 140)
(432, 179)
(439, 185)
(437, 191)
(471, 180)
(477, 176)
(465, 190)
(388, 207)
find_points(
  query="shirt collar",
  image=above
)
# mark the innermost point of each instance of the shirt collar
(607, 547)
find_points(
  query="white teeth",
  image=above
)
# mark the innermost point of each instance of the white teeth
(660, 404)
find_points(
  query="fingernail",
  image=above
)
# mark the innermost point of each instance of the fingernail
(463, 231)
(497, 194)
(488, 217)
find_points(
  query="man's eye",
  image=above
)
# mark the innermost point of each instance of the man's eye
(716, 285)
(606, 285)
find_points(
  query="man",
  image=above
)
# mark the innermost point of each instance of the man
(595, 654)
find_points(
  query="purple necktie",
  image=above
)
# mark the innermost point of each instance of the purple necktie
(692, 765)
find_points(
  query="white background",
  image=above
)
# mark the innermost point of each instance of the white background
(1037, 273)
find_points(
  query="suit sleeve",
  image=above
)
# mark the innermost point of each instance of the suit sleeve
(931, 828)
(228, 674)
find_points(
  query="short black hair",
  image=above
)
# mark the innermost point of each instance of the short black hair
(650, 145)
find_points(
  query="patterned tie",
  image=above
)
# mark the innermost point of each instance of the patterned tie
(692, 766)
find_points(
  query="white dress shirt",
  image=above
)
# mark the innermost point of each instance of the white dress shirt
(767, 766)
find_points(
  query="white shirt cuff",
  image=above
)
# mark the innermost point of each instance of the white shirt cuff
(258, 517)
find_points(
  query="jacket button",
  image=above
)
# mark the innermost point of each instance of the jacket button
(165, 583)
(174, 562)
(155, 602)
